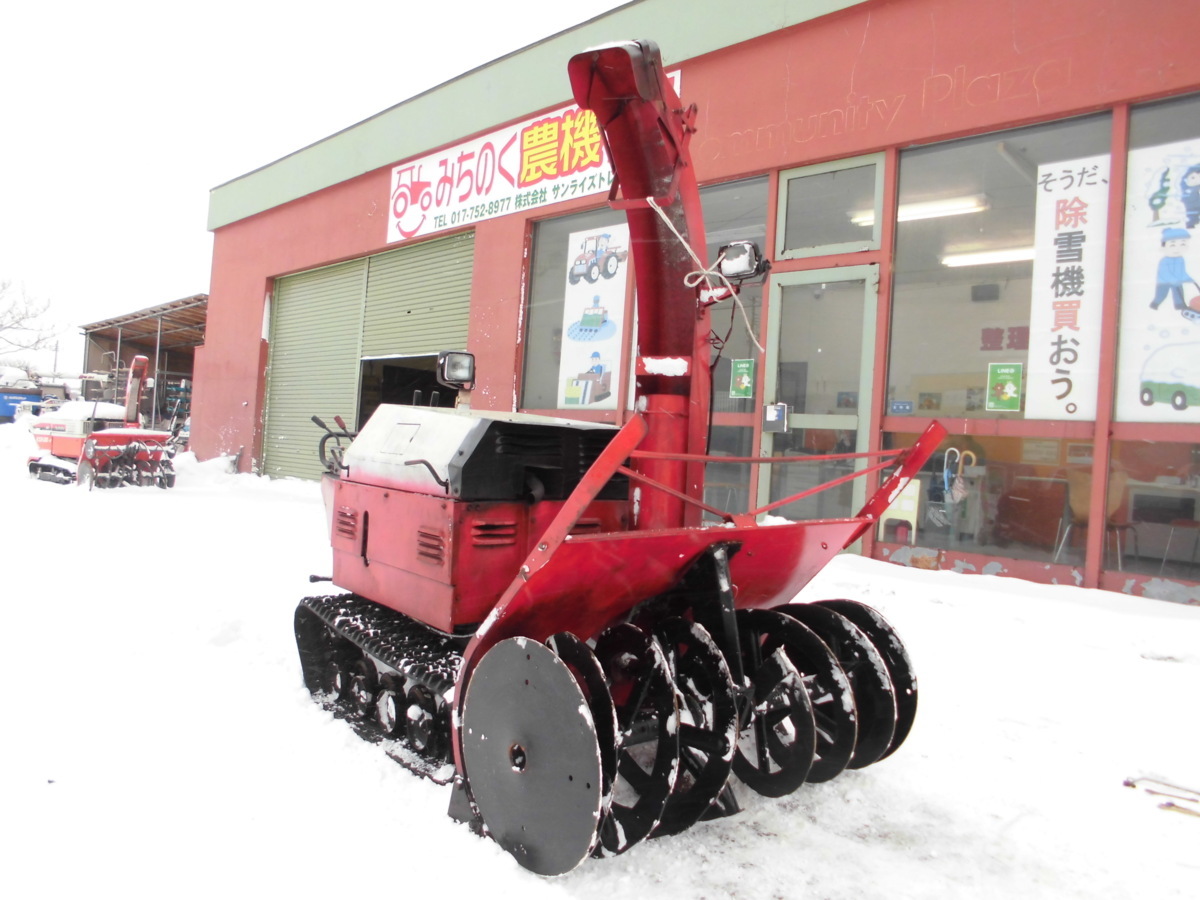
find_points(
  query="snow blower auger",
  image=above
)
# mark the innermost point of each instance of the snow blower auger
(537, 613)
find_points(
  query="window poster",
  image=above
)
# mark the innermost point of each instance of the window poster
(1003, 387)
(1070, 223)
(741, 379)
(597, 271)
(1158, 356)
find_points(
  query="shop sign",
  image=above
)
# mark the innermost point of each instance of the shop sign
(1070, 223)
(741, 379)
(1004, 387)
(545, 159)
(596, 274)
(1158, 371)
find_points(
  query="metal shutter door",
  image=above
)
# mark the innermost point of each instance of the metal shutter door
(419, 298)
(313, 364)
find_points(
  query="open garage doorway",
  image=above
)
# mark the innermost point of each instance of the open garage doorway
(406, 380)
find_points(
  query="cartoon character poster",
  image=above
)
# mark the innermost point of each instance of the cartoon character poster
(597, 271)
(1158, 360)
(1070, 222)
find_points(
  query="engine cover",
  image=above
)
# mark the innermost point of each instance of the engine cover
(476, 455)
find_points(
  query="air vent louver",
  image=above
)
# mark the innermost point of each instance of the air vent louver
(494, 534)
(431, 546)
(345, 522)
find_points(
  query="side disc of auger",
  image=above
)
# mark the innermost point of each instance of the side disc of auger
(583, 664)
(895, 657)
(708, 726)
(776, 747)
(874, 697)
(763, 632)
(647, 740)
(532, 759)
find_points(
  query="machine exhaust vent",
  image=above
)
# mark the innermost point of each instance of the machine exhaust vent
(431, 546)
(494, 534)
(345, 522)
(586, 526)
(530, 446)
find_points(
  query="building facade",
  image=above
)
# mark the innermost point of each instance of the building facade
(979, 213)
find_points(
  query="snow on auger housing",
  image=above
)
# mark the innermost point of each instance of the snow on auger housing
(537, 613)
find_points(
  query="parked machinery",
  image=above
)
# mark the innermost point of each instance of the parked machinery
(98, 444)
(537, 613)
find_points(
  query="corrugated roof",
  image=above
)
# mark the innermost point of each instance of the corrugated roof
(182, 324)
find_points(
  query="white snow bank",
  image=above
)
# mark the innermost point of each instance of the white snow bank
(78, 410)
(158, 736)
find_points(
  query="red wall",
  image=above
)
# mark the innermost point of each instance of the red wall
(883, 74)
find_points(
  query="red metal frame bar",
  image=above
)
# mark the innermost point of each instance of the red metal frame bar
(910, 460)
(678, 495)
(821, 487)
(761, 460)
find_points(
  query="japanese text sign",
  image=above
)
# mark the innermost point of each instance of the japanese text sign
(1070, 225)
(545, 159)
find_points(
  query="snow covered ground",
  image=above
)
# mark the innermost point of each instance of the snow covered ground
(158, 742)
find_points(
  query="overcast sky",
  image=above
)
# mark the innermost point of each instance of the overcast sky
(117, 118)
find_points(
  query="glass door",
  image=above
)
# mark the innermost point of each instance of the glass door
(820, 354)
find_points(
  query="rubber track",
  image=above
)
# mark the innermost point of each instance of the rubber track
(417, 652)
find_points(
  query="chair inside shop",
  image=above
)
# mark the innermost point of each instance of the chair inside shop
(1079, 489)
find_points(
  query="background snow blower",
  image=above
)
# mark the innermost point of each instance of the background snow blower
(537, 613)
(97, 444)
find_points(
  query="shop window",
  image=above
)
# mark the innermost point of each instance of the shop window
(830, 208)
(577, 296)
(736, 211)
(581, 270)
(996, 496)
(998, 274)
(1158, 368)
(792, 478)
(727, 484)
(1161, 501)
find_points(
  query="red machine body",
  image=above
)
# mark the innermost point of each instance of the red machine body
(565, 562)
(448, 550)
(452, 560)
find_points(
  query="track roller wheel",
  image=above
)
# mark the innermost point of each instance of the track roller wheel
(337, 678)
(874, 697)
(364, 686)
(708, 727)
(531, 756)
(895, 657)
(390, 705)
(776, 749)
(422, 725)
(647, 742)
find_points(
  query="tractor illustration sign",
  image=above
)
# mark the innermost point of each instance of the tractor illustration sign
(597, 257)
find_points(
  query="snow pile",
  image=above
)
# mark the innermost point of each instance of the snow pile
(80, 410)
(158, 737)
